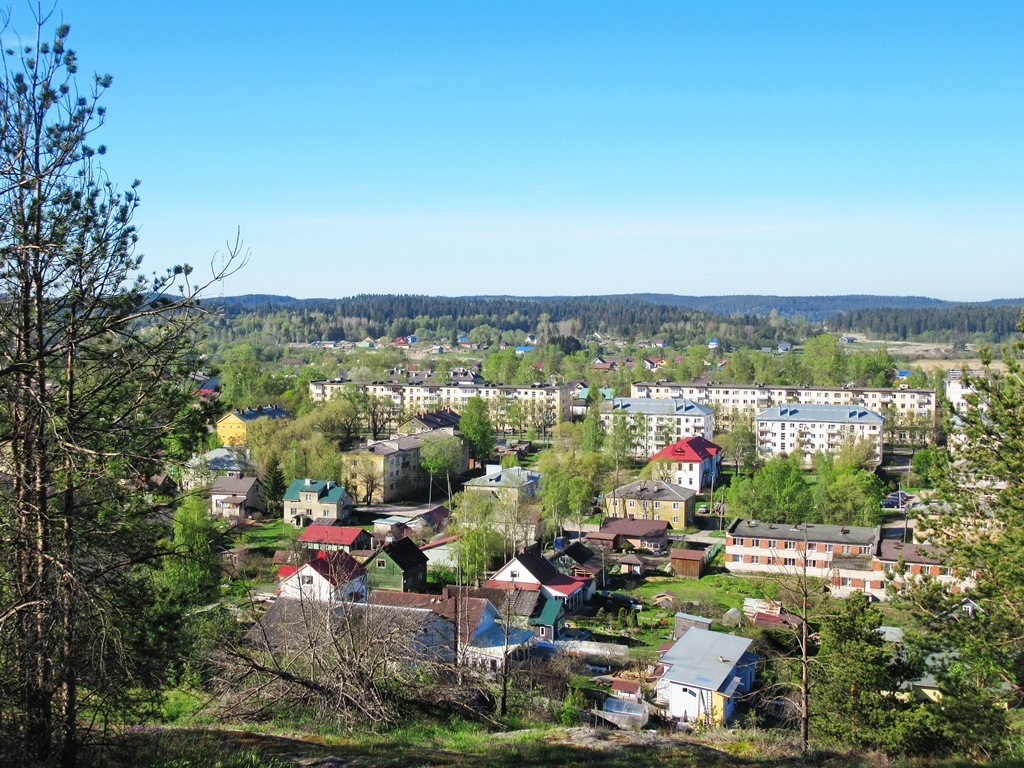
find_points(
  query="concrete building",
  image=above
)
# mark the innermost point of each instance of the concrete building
(730, 399)
(783, 429)
(661, 421)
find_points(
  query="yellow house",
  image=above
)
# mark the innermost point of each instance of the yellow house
(232, 429)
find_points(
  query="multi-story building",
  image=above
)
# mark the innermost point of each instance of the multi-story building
(390, 470)
(957, 389)
(844, 555)
(783, 429)
(652, 500)
(728, 399)
(307, 500)
(662, 421)
(541, 405)
(692, 462)
(849, 558)
(233, 428)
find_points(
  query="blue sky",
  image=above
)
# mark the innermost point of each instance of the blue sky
(573, 147)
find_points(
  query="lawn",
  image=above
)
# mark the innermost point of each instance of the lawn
(269, 535)
(722, 588)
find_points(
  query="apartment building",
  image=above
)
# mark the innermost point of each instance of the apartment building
(544, 406)
(667, 421)
(396, 472)
(843, 555)
(753, 398)
(849, 558)
(813, 428)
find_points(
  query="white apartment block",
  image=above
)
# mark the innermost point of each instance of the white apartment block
(957, 390)
(543, 405)
(813, 428)
(754, 398)
(668, 421)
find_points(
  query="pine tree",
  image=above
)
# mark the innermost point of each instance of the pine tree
(93, 384)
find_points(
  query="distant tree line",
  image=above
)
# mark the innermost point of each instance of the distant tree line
(987, 323)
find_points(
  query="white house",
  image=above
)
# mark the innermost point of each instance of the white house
(531, 571)
(331, 577)
(692, 462)
(703, 674)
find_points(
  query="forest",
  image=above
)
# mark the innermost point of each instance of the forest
(736, 321)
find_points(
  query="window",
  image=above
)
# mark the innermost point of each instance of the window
(514, 574)
(790, 545)
(755, 542)
(306, 580)
(811, 546)
(773, 544)
(756, 559)
(737, 558)
(829, 547)
(382, 563)
(790, 561)
(675, 518)
(675, 505)
(846, 549)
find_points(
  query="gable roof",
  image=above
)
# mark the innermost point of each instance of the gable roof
(405, 554)
(828, 413)
(234, 486)
(337, 567)
(338, 535)
(517, 602)
(653, 490)
(509, 477)
(438, 419)
(694, 448)
(640, 528)
(262, 411)
(536, 564)
(577, 552)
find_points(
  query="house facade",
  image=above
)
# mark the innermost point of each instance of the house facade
(783, 429)
(330, 577)
(618, 534)
(652, 500)
(399, 566)
(703, 674)
(531, 571)
(307, 500)
(396, 465)
(233, 428)
(693, 462)
(237, 498)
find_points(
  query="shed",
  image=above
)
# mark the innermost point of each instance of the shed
(685, 621)
(689, 563)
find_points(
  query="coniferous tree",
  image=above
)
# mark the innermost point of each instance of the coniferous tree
(93, 381)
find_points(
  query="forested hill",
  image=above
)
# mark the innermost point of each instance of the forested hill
(993, 321)
(747, 320)
(812, 308)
